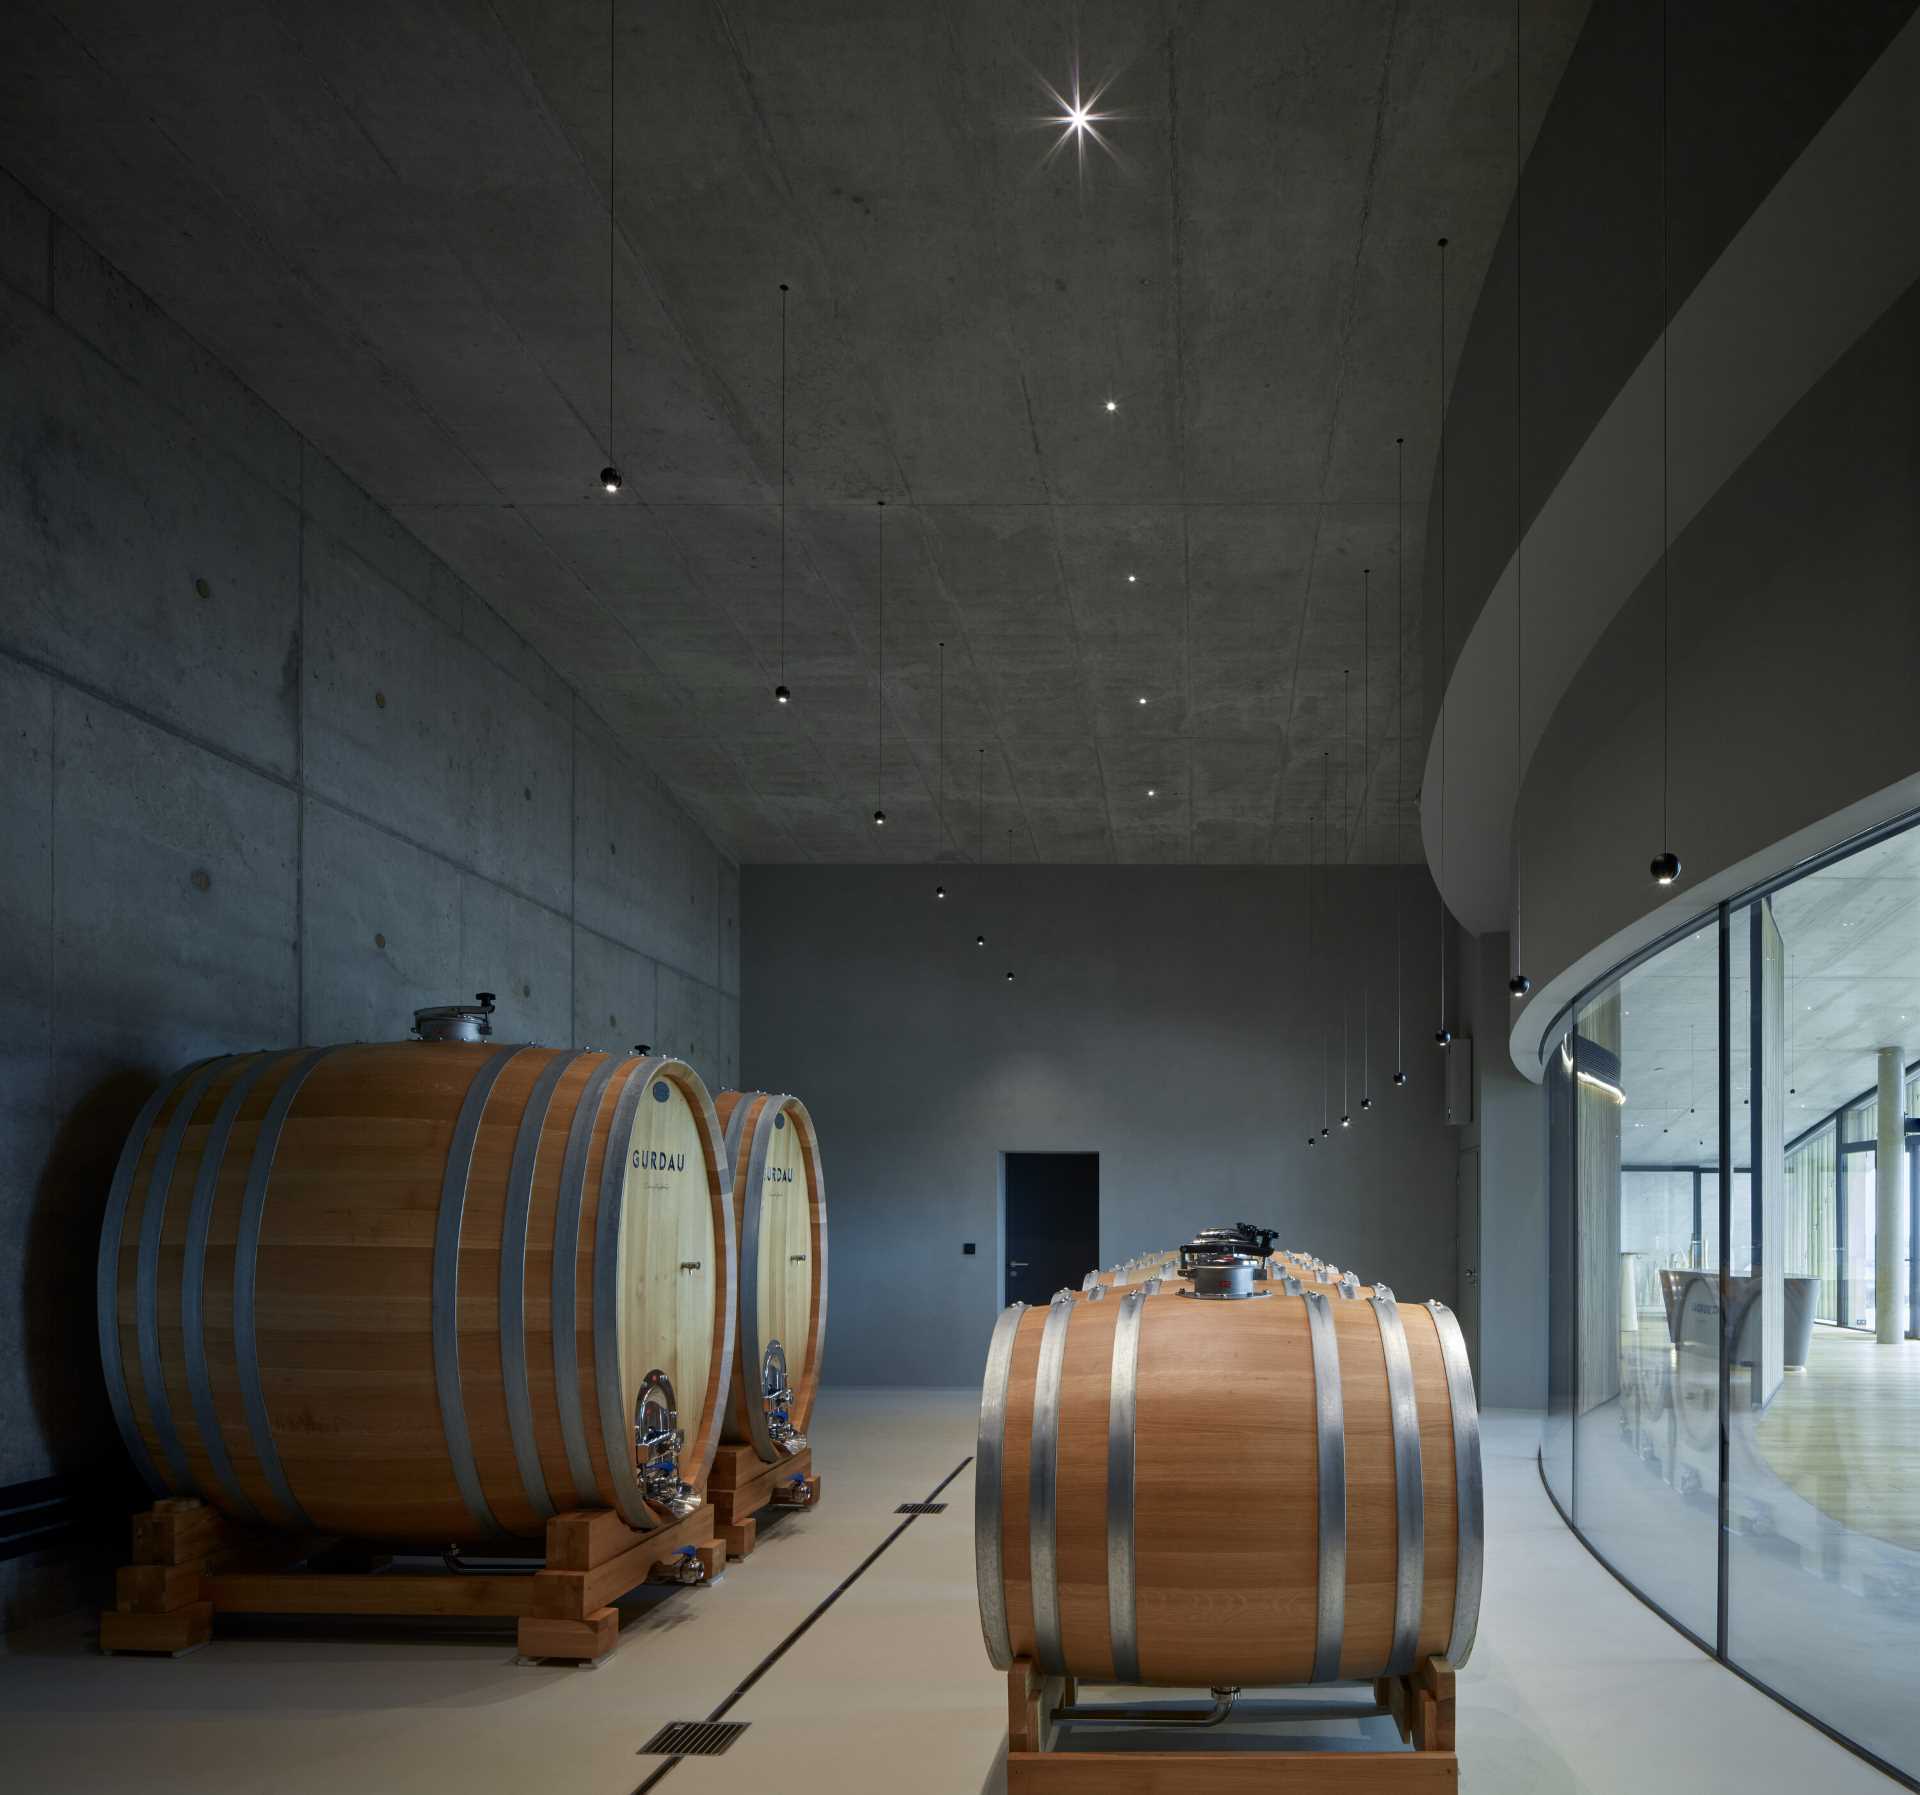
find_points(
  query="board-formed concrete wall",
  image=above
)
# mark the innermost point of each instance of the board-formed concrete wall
(1165, 1017)
(268, 773)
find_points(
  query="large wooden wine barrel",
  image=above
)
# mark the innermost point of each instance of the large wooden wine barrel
(414, 1291)
(1280, 1489)
(780, 1220)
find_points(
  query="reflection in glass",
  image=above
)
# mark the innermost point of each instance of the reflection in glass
(1646, 1452)
(1822, 1594)
(1556, 1443)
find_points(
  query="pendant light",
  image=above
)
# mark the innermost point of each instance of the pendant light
(1346, 854)
(1518, 984)
(1400, 755)
(1443, 1035)
(1009, 885)
(980, 859)
(780, 693)
(1665, 865)
(1793, 989)
(1308, 981)
(1366, 763)
(1326, 1024)
(940, 807)
(880, 683)
(610, 474)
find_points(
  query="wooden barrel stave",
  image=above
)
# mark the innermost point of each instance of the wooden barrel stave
(777, 1223)
(1227, 1537)
(326, 1174)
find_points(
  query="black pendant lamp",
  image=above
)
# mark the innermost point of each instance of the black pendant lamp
(780, 693)
(1443, 1035)
(1518, 985)
(880, 683)
(610, 481)
(1665, 866)
(1400, 723)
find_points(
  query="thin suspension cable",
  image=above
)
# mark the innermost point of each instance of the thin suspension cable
(880, 692)
(1366, 764)
(613, 181)
(783, 483)
(1400, 723)
(1312, 933)
(1442, 387)
(1346, 765)
(1519, 507)
(1326, 826)
(1346, 857)
(980, 859)
(941, 775)
(1666, 609)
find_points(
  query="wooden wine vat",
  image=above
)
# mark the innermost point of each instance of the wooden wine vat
(780, 1222)
(413, 1292)
(1273, 1490)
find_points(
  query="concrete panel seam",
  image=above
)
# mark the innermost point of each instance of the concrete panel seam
(694, 978)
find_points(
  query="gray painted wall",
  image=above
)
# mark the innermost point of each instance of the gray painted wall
(1163, 1017)
(1510, 1240)
(288, 805)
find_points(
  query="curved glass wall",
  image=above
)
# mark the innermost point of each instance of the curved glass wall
(1734, 1416)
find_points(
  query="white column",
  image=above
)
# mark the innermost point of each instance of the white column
(1890, 1202)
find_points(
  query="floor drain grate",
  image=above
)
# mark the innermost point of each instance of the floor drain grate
(921, 1508)
(694, 1738)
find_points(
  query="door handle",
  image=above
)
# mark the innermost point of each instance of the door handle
(1016, 1265)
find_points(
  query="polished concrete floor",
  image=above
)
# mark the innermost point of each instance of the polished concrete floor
(1574, 1685)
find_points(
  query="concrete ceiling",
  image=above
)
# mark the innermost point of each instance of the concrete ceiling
(391, 219)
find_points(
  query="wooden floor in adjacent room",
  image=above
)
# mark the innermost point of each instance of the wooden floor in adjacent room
(1845, 1433)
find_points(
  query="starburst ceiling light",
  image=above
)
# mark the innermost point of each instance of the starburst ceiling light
(1076, 116)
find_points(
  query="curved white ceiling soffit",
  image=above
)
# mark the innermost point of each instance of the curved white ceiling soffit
(1823, 256)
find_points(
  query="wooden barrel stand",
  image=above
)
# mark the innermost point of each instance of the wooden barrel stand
(742, 1486)
(1421, 1705)
(192, 1563)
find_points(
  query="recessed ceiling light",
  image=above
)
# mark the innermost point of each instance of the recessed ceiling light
(1113, 405)
(1143, 701)
(1133, 579)
(1149, 791)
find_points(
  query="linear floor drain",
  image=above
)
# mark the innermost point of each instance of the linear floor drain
(694, 1738)
(921, 1508)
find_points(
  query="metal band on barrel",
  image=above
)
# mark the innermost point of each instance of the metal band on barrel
(246, 1270)
(566, 1283)
(193, 1288)
(146, 1299)
(446, 1290)
(989, 1456)
(1043, 1487)
(1122, 1624)
(106, 1283)
(1409, 1498)
(616, 1423)
(1330, 1432)
(513, 1285)
(1151, 1287)
(1468, 1493)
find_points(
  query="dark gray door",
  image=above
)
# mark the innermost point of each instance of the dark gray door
(1053, 1222)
